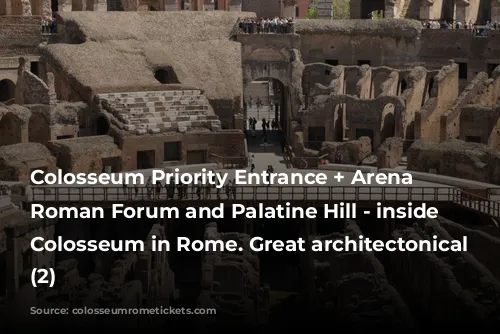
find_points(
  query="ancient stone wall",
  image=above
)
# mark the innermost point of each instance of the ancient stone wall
(455, 158)
(443, 91)
(25, 157)
(450, 122)
(368, 40)
(230, 281)
(459, 45)
(85, 154)
(480, 124)
(225, 143)
(19, 35)
(31, 89)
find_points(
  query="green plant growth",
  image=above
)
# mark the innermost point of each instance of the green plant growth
(341, 10)
(312, 11)
(377, 15)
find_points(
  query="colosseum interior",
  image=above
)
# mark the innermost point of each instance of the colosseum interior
(115, 85)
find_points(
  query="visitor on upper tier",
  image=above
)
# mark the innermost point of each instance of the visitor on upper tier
(266, 25)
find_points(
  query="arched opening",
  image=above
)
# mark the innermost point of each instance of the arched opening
(101, 126)
(371, 9)
(151, 9)
(166, 76)
(402, 86)
(377, 82)
(484, 15)
(431, 87)
(448, 10)
(115, 6)
(54, 5)
(10, 130)
(388, 126)
(265, 99)
(7, 90)
(38, 129)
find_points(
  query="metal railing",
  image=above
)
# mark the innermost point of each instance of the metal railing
(261, 193)
(229, 162)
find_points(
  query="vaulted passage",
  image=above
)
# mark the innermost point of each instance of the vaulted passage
(7, 90)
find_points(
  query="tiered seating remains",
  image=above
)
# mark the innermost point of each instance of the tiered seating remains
(161, 111)
(19, 35)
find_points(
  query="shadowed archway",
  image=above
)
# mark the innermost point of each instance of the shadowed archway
(7, 90)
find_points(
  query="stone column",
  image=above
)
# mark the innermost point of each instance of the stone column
(425, 9)
(193, 5)
(461, 10)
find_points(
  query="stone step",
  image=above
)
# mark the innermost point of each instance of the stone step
(172, 104)
(171, 126)
(169, 93)
(161, 113)
(157, 99)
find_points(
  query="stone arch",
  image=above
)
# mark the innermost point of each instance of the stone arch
(101, 125)
(279, 102)
(362, 106)
(166, 75)
(10, 129)
(39, 128)
(7, 90)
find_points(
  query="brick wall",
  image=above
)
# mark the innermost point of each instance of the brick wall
(19, 35)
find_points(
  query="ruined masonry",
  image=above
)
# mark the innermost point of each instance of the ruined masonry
(157, 112)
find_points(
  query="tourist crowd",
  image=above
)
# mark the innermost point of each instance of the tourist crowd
(267, 26)
(49, 25)
(458, 25)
